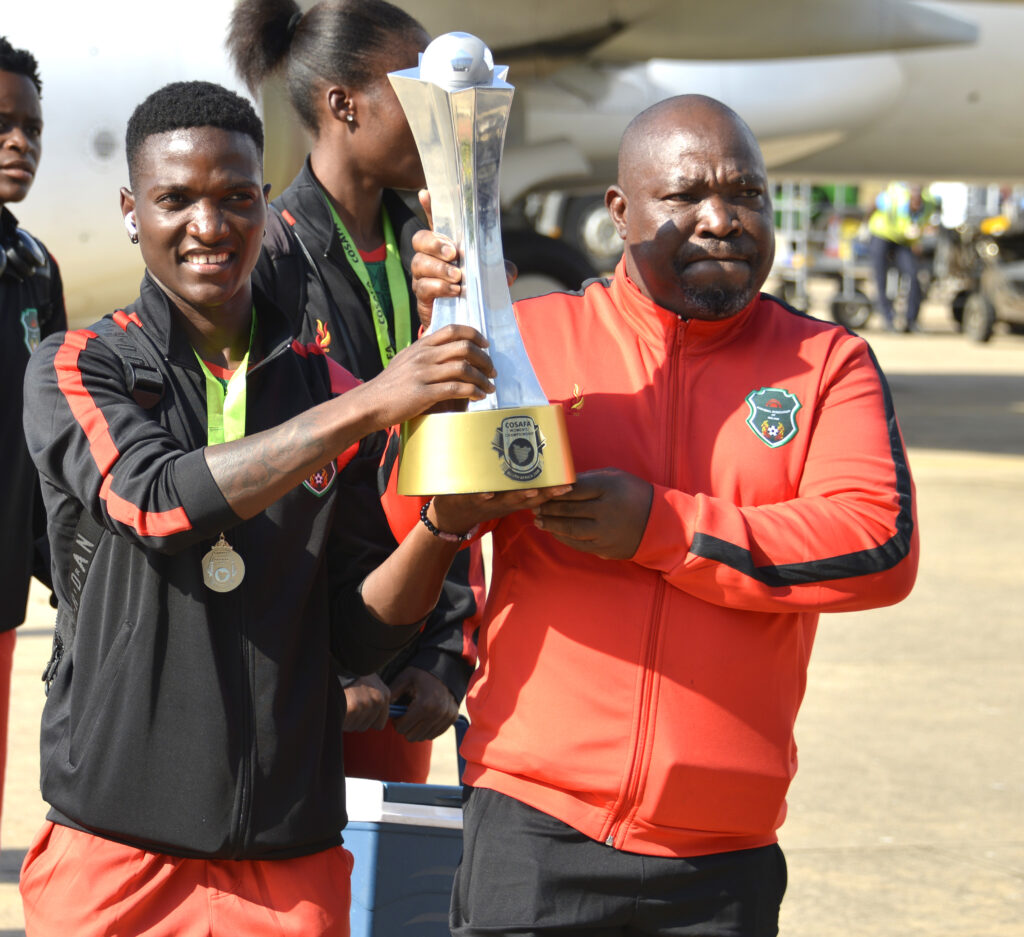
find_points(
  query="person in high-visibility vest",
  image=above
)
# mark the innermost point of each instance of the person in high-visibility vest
(901, 214)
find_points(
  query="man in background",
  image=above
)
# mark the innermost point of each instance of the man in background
(31, 307)
(902, 212)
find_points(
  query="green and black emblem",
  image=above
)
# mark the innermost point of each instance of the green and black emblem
(30, 323)
(773, 415)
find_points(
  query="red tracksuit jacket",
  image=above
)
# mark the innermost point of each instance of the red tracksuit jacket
(650, 702)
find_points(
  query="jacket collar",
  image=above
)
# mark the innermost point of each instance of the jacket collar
(658, 326)
(304, 198)
(161, 322)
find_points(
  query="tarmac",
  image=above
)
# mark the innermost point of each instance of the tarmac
(907, 814)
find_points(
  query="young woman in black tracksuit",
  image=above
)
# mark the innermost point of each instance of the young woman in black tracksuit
(338, 248)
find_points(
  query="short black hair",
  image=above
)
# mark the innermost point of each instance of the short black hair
(184, 104)
(20, 62)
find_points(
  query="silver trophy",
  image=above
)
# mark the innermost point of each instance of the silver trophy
(457, 104)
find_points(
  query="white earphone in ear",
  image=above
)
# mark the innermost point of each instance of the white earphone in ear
(131, 227)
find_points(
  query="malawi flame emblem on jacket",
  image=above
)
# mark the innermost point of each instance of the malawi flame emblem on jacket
(319, 482)
(773, 415)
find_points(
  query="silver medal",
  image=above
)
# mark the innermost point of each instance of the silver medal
(223, 569)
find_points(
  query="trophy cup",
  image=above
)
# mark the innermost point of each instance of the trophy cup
(457, 104)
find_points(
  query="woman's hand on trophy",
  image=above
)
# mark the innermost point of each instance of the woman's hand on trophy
(450, 364)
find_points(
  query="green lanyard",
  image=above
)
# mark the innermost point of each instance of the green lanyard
(396, 286)
(225, 400)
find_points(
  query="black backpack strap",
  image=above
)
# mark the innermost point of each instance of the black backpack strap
(143, 375)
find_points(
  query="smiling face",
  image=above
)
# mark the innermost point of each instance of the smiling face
(693, 207)
(21, 133)
(200, 212)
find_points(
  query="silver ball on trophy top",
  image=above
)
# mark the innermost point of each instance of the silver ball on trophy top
(457, 60)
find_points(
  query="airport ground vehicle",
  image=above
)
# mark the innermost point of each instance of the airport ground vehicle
(996, 291)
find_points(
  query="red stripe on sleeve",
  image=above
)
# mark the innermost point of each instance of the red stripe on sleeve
(146, 523)
(289, 217)
(101, 445)
(83, 408)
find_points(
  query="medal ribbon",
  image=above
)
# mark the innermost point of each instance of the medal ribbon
(223, 569)
(396, 286)
(225, 405)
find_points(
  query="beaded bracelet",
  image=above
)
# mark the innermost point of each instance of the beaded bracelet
(444, 534)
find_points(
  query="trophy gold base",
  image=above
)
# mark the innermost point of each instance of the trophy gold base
(485, 450)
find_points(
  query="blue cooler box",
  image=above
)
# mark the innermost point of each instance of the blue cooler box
(407, 842)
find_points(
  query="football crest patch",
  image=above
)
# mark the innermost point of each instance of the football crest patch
(773, 415)
(30, 323)
(319, 482)
(520, 443)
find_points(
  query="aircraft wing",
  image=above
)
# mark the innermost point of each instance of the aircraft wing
(616, 31)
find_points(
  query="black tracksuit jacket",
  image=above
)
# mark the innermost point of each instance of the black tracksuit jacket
(181, 720)
(333, 295)
(30, 309)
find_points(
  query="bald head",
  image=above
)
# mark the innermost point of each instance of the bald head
(644, 138)
(693, 206)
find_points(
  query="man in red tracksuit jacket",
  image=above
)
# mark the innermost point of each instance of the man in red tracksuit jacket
(646, 636)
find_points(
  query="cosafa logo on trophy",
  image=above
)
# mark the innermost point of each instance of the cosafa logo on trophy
(520, 443)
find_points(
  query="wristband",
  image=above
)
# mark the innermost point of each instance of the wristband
(444, 534)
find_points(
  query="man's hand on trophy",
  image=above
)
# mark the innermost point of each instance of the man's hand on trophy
(459, 513)
(605, 513)
(450, 364)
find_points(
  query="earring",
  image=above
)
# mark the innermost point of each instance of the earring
(349, 118)
(131, 227)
